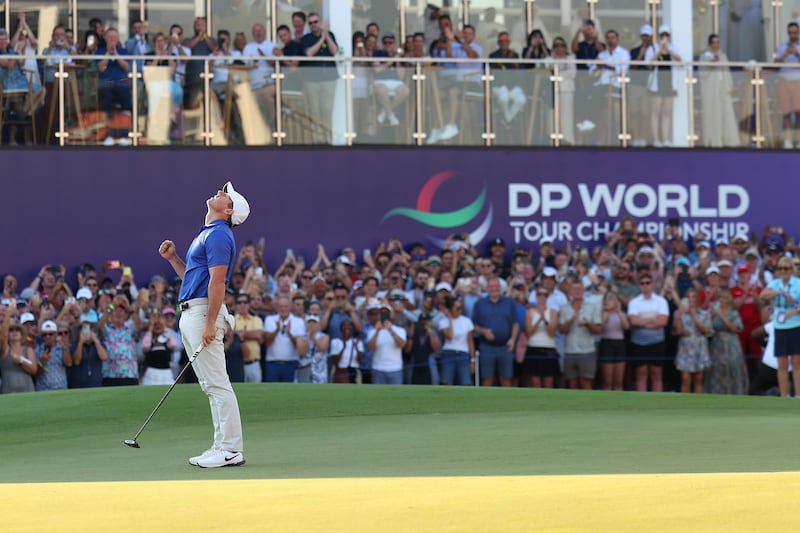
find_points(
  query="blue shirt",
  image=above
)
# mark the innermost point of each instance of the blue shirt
(114, 72)
(213, 246)
(781, 305)
(498, 316)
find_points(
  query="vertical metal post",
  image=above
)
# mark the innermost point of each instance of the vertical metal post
(715, 16)
(623, 136)
(403, 28)
(209, 29)
(207, 75)
(61, 134)
(529, 16)
(348, 102)
(418, 77)
(557, 136)
(591, 4)
(776, 22)
(278, 76)
(691, 81)
(653, 4)
(488, 131)
(134, 76)
(464, 12)
(273, 19)
(758, 83)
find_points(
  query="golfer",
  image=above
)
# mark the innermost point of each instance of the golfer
(204, 319)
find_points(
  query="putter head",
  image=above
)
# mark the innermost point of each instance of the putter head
(132, 443)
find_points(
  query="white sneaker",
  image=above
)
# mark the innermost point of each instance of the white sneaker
(109, 141)
(450, 131)
(124, 142)
(193, 460)
(382, 117)
(393, 120)
(787, 144)
(435, 136)
(219, 458)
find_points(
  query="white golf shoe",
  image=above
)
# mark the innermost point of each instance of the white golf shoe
(193, 460)
(221, 458)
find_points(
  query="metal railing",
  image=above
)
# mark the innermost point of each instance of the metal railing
(416, 101)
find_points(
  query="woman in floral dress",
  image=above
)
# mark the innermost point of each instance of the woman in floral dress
(728, 373)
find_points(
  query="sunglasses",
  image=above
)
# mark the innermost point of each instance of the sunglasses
(18, 330)
(329, 298)
(242, 302)
(784, 268)
(308, 277)
(646, 283)
(47, 334)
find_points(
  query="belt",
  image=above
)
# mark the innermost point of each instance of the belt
(251, 362)
(281, 362)
(194, 302)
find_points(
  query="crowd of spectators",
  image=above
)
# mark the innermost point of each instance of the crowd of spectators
(589, 90)
(635, 313)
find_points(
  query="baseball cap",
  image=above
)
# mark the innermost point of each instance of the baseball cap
(387, 35)
(498, 241)
(434, 259)
(724, 263)
(444, 286)
(712, 270)
(722, 242)
(646, 29)
(742, 268)
(312, 318)
(646, 250)
(84, 292)
(682, 261)
(703, 244)
(774, 247)
(664, 28)
(740, 237)
(549, 272)
(545, 240)
(397, 295)
(168, 311)
(27, 293)
(49, 327)
(241, 209)
(751, 251)
(27, 317)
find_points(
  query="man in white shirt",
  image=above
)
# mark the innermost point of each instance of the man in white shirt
(611, 64)
(261, 77)
(386, 342)
(648, 314)
(285, 339)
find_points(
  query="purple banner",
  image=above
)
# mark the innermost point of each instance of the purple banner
(74, 206)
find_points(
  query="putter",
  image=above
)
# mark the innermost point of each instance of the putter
(132, 442)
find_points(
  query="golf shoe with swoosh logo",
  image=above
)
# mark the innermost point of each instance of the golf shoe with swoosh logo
(220, 458)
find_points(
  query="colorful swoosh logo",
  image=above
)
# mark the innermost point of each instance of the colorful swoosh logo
(446, 220)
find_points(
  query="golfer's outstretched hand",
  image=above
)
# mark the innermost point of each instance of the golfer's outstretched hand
(167, 250)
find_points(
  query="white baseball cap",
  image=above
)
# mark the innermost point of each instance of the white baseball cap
(664, 28)
(84, 292)
(444, 286)
(49, 327)
(241, 209)
(646, 29)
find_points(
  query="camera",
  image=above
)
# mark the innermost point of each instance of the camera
(385, 315)
(86, 330)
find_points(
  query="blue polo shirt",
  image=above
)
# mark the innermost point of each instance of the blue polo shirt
(498, 316)
(781, 305)
(213, 246)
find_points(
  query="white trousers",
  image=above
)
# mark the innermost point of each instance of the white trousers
(213, 377)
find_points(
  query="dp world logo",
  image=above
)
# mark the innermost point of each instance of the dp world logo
(452, 221)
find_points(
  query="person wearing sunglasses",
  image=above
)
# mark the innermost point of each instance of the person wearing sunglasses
(53, 358)
(648, 314)
(784, 293)
(17, 361)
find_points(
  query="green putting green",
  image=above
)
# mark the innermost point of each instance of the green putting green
(336, 431)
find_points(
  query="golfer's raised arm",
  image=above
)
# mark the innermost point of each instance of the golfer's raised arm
(167, 251)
